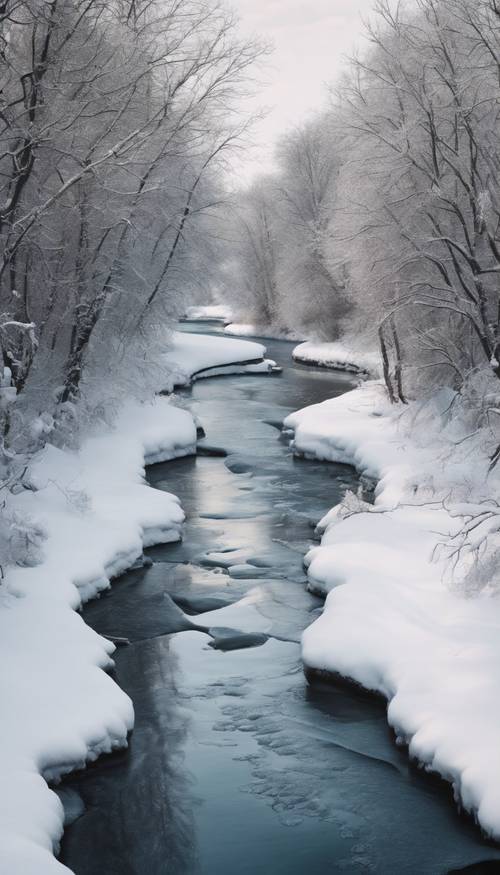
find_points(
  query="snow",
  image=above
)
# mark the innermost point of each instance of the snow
(334, 354)
(190, 357)
(339, 355)
(249, 329)
(60, 708)
(395, 620)
(208, 313)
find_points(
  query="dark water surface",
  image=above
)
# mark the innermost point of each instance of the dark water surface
(236, 765)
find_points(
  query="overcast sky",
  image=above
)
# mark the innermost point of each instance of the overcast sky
(310, 38)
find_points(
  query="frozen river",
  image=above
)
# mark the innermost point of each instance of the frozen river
(236, 765)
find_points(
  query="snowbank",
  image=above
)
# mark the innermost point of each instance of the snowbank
(394, 621)
(192, 356)
(248, 329)
(337, 355)
(334, 354)
(209, 313)
(59, 707)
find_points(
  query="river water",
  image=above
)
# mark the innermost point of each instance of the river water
(236, 765)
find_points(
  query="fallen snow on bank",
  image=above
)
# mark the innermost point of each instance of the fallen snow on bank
(393, 620)
(59, 708)
(337, 355)
(272, 332)
(334, 354)
(210, 312)
(192, 356)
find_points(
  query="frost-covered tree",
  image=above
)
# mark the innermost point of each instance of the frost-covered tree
(281, 273)
(386, 207)
(115, 117)
(312, 297)
(251, 283)
(419, 188)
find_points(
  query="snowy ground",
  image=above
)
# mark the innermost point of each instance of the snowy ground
(60, 709)
(395, 620)
(334, 354)
(338, 355)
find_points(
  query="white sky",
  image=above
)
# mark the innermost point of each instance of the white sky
(310, 39)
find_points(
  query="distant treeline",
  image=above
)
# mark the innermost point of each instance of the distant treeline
(383, 218)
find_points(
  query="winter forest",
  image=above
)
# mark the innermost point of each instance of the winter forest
(215, 594)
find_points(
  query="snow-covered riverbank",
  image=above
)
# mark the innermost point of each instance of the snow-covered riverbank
(249, 329)
(339, 355)
(194, 356)
(394, 621)
(60, 709)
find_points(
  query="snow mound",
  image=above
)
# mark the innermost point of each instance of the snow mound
(394, 621)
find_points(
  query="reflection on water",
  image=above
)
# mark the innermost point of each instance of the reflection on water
(139, 814)
(235, 764)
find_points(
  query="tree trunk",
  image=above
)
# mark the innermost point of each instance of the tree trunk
(385, 365)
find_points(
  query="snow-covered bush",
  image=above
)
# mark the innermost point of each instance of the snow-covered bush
(21, 540)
